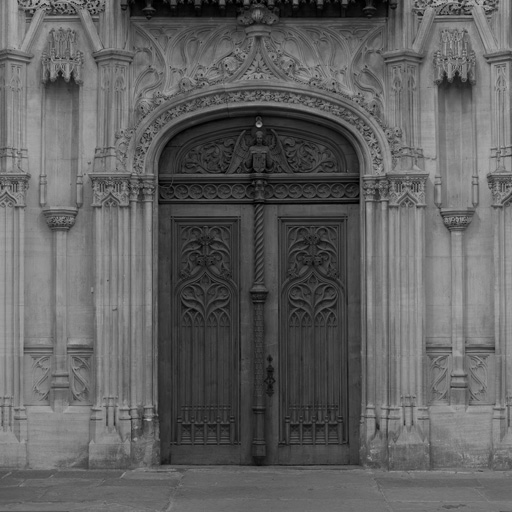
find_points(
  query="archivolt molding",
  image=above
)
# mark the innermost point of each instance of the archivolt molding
(351, 116)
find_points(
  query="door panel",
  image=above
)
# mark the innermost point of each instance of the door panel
(311, 331)
(315, 248)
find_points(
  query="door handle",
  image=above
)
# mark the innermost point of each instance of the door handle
(270, 380)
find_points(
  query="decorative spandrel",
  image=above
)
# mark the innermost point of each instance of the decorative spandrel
(313, 331)
(205, 355)
(261, 152)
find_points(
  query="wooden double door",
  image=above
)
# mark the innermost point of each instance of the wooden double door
(259, 333)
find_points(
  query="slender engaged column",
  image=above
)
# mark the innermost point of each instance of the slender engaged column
(457, 221)
(60, 221)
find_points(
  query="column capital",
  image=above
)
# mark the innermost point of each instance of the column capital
(112, 54)
(409, 56)
(407, 188)
(60, 219)
(457, 219)
(13, 188)
(500, 184)
(110, 189)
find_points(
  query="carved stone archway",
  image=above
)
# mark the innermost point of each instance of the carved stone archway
(127, 198)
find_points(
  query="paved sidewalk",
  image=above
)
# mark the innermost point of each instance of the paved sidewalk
(255, 489)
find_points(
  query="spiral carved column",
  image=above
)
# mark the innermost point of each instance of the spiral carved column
(259, 296)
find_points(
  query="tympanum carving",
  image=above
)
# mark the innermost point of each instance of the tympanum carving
(260, 153)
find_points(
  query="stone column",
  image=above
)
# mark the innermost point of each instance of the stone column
(370, 439)
(13, 419)
(60, 221)
(457, 220)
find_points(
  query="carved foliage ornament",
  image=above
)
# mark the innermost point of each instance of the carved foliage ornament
(327, 59)
(454, 57)
(456, 8)
(257, 14)
(62, 7)
(272, 153)
(62, 57)
(279, 97)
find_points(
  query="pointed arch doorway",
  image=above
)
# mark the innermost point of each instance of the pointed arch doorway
(259, 294)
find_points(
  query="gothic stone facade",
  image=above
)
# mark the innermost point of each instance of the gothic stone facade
(255, 237)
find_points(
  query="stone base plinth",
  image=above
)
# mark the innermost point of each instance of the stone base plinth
(13, 453)
(109, 452)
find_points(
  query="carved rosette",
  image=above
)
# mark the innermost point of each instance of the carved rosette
(110, 190)
(60, 219)
(12, 189)
(407, 190)
(62, 7)
(257, 14)
(457, 219)
(501, 188)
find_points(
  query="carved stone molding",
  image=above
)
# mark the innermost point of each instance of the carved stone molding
(501, 188)
(244, 192)
(12, 189)
(278, 97)
(455, 57)
(407, 190)
(62, 7)
(109, 190)
(62, 57)
(60, 219)
(455, 8)
(282, 54)
(457, 219)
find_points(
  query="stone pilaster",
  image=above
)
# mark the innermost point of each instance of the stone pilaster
(110, 425)
(113, 105)
(13, 419)
(408, 424)
(500, 184)
(403, 108)
(124, 426)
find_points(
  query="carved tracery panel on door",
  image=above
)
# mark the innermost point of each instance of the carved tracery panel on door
(313, 332)
(205, 308)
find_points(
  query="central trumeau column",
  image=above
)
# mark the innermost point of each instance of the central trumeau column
(259, 296)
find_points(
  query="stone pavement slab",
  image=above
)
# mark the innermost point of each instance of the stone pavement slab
(254, 489)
